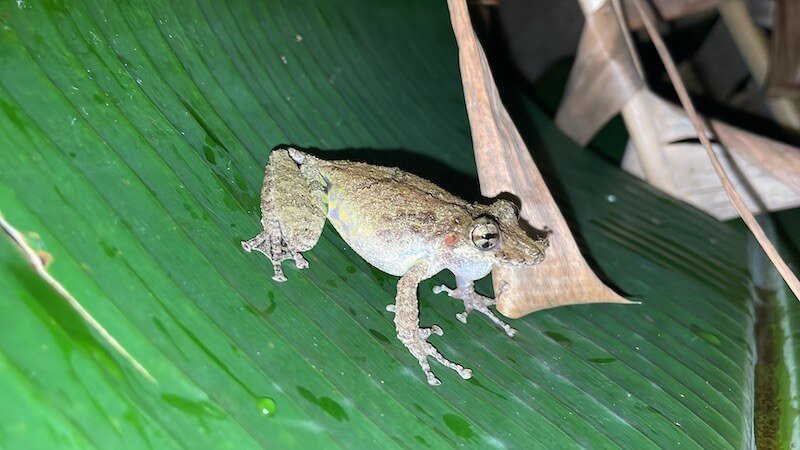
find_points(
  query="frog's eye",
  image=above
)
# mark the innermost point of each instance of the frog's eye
(485, 233)
(505, 210)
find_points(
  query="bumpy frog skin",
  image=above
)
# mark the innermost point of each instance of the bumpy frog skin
(398, 222)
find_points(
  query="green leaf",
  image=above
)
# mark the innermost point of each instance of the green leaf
(777, 420)
(132, 142)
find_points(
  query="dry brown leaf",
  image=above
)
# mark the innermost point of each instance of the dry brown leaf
(505, 166)
(604, 76)
(670, 10)
(786, 273)
(784, 58)
(765, 172)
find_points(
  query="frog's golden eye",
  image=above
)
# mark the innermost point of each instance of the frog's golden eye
(485, 233)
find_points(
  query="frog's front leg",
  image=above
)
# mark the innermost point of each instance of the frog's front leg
(293, 209)
(465, 291)
(406, 322)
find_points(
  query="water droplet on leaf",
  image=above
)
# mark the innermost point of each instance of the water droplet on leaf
(266, 406)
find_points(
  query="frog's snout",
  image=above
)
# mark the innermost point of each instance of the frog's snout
(522, 255)
(540, 245)
(538, 258)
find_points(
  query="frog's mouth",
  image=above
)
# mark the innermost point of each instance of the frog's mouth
(519, 260)
(522, 254)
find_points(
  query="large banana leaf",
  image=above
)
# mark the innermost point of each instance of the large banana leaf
(132, 140)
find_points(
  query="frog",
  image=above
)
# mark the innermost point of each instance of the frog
(400, 223)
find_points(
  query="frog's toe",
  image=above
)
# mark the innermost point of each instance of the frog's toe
(425, 333)
(432, 380)
(443, 288)
(462, 371)
(422, 349)
(278, 275)
(476, 302)
(300, 262)
(258, 243)
(484, 309)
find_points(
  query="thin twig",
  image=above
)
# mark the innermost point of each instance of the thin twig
(40, 268)
(686, 102)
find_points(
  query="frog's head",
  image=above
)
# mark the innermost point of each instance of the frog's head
(496, 234)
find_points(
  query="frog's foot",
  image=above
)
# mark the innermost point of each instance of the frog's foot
(417, 343)
(272, 245)
(475, 302)
(299, 261)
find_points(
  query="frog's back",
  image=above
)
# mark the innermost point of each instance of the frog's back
(357, 176)
(392, 218)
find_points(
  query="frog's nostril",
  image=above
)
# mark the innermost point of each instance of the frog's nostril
(537, 258)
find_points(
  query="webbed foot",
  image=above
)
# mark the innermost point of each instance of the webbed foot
(272, 245)
(417, 343)
(293, 210)
(475, 302)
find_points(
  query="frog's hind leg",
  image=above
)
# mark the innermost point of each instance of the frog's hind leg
(293, 209)
(406, 320)
(465, 291)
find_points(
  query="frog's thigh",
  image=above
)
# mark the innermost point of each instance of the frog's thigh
(294, 197)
